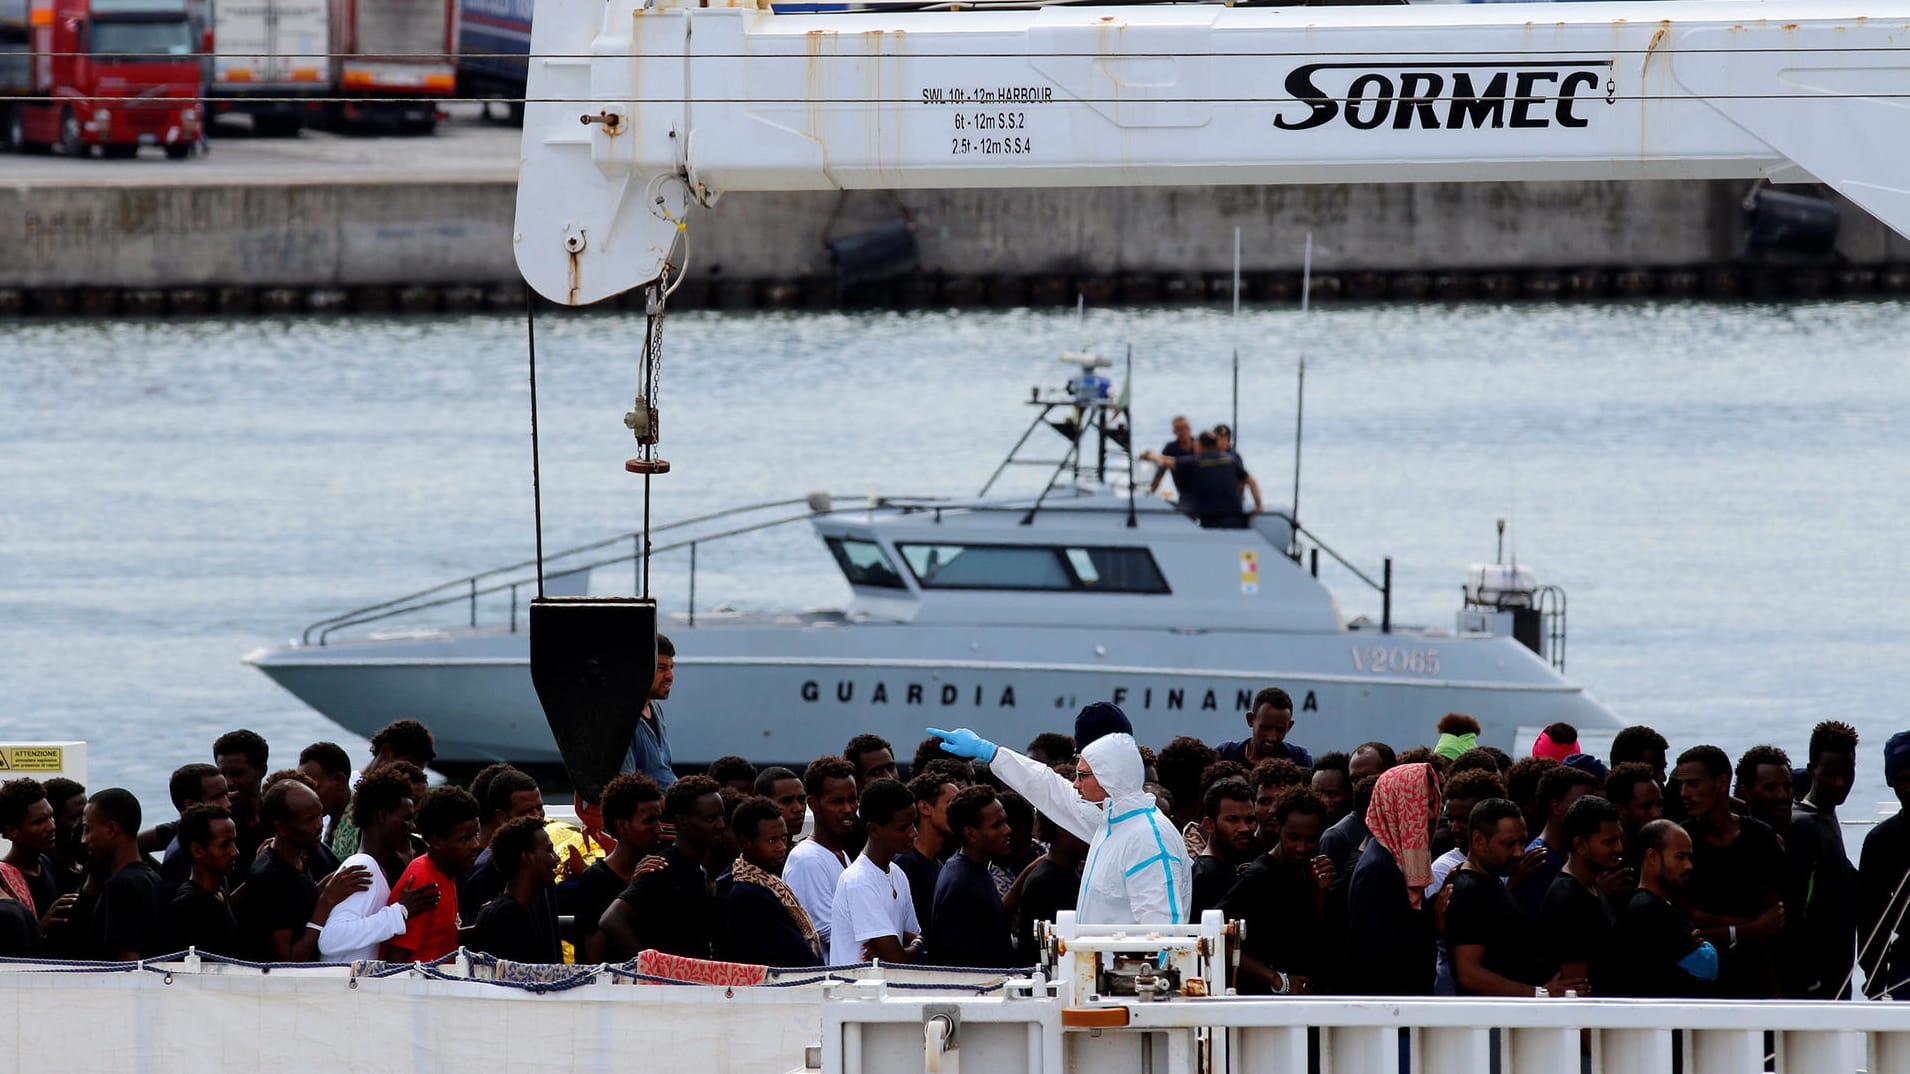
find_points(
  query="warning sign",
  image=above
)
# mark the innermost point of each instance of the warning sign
(32, 759)
(1249, 571)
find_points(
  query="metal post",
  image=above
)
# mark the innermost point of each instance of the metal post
(1236, 273)
(636, 563)
(1299, 408)
(1306, 275)
(1386, 600)
(1299, 423)
(1101, 445)
(1315, 556)
(692, 583)
(1236, 329)
(1132, 435)
(513, 609)
(474, 602)
(1236, 416)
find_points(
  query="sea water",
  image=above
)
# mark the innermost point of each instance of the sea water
(1720, 489)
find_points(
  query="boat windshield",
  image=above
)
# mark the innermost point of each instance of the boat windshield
(864, 563)
(1044, 567)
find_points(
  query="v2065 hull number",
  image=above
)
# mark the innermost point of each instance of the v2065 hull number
(1384, 660)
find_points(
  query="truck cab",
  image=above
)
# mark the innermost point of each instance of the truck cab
(117, 74)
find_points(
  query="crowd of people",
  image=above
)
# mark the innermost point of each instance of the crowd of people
(1444, 869)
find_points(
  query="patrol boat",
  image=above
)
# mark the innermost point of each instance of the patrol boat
(1004, 613)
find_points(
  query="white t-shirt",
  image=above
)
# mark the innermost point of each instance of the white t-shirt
(869, 902)
(811, 873)
(1442, 868)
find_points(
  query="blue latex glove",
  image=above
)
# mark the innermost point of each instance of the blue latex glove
(1702, 962)
(965, 743)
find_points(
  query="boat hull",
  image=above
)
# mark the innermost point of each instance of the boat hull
(827, 683)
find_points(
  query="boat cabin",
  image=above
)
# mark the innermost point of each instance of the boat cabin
(1078, 557)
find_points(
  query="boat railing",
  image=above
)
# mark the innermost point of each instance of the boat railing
(515, 579)
(1301, 552)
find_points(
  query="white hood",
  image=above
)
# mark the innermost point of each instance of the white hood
(1116, 762)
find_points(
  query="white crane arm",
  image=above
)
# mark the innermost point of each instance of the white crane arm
(640, 107)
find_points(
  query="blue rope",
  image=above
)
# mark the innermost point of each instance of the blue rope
(583, 976)
(77, 965)
(979, 971)
(830, 977)
(945, 986)
(262, 967)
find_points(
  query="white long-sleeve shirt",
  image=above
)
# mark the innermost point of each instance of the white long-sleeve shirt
(363, 921)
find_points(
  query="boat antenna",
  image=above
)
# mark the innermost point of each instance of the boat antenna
(1127, 407)
(537, 491)
(1299, 410)
(1515, 518)
(1081, 316)
(1236, 415)
(1236, 272)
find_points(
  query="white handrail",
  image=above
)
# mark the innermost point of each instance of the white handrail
(1433, 1036)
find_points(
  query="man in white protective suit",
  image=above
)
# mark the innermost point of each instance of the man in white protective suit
(1137, 871)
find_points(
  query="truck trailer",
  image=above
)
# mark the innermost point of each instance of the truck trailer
(393, 63)
(267, 59)
(494, 44)
(117, 74)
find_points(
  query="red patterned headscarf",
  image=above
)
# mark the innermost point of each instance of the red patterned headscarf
(1405, 800)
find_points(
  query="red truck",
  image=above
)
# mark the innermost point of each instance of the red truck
(116, 74)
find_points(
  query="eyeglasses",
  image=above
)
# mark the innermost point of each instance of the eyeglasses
(1081, 774)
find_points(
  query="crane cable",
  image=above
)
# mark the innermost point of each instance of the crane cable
(537, 490)
(1880, 933)
(644, 417)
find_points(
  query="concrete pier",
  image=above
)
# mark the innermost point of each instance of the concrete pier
(329, 223)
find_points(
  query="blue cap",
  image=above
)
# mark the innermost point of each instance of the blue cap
(1896, 755)
(1098, 719)
(1585, 762)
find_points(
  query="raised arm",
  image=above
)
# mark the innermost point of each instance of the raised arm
(1044, 787)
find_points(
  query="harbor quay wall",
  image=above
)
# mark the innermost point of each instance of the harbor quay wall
(234, 245)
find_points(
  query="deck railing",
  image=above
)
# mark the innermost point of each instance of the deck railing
(515, 581)
(520, 577)
(1229, 1035)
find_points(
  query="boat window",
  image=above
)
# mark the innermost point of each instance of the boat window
(864, 563)
(1117, 570)
(1106, 570)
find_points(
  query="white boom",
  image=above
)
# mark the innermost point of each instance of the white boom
(640, 107)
